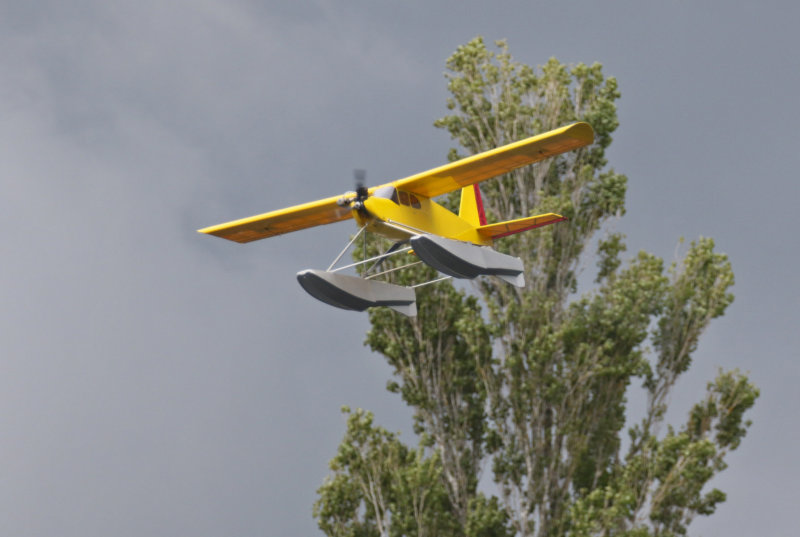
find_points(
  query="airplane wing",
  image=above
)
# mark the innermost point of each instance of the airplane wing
(510, 227)
(497, 161)
(315, 213)
(432, 183)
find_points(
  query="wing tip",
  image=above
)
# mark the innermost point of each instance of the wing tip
(582, 131)
(223, 233)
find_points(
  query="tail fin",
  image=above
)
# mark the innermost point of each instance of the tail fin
(471, 208)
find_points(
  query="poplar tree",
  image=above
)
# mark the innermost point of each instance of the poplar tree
(529, 385)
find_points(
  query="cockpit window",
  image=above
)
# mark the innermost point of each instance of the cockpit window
(387, 192)
(398, 196)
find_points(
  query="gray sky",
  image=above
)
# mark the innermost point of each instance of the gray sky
(159, 382)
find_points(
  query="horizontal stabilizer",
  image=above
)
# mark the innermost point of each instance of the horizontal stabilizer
(510, 227)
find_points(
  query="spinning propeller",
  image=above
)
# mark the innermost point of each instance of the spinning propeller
(361, 192)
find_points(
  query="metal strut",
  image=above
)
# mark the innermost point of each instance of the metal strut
(391, 270)
(331, 269)
(392, 249)
(405, 228)
(349, 244)
(443, 278)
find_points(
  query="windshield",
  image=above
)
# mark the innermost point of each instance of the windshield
(386, 192)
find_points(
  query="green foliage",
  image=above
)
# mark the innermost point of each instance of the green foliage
(381, 487)
(486, 518)
(435, 357)
(534, 380)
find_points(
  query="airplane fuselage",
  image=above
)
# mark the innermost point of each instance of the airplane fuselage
(400, 221)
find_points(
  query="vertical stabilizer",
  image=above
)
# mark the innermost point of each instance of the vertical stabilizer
(471, 208)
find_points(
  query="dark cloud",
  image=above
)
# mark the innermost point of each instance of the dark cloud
(161, 382)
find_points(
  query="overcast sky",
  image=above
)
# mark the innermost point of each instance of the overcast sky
(154, 381)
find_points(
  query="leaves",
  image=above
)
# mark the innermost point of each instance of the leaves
(435, 356)
(381, 487)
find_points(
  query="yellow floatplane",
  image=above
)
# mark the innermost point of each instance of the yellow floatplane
(457, 245)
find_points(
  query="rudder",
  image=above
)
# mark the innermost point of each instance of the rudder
(471, 207)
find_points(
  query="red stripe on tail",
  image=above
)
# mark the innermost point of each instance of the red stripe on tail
(479, 203)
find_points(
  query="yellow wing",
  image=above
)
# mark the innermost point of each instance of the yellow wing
(429, 184)
(315, 213)
(497, 161)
